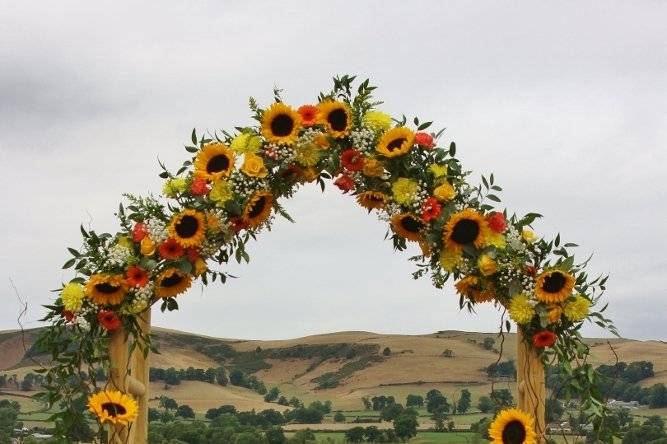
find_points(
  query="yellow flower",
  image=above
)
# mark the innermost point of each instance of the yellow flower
(125, 242)
(408, 226)
(487, 265)
(174, 187)
(521, 310)
(253, 166)
(322, 141)
(188, 228)
(372, 199)
(437, 170)
(336, 117)
(444, 192)
(221, 192)
(246, 143)
(147, 246)
(308, 154)
(172, 282)
(200, 267)
(113, 406)
(513, 426)
(496, 239)
(554, 286)
(464, 228)
(377, 120)
(373, 168)
(404, 190)
(105, 288)
(396, 142)
(449, 259)
(281, 124)
(554, 312)
(214, 162)
(528, 235)
(213, 222)
(72, 296)
(577, 309)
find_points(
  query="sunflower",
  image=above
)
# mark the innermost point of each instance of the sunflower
(336, 118)
(258, 208)
(214, 161)
(464, 228)
(372, 199)
(554, 286)
(407, 226)
(106, 289)
(113, 406)
(172, 282)
(396, 142)
(467, 287)
(513, 426)
(188, 228)
(281, 124)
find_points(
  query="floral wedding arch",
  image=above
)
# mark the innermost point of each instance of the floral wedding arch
(228, 191)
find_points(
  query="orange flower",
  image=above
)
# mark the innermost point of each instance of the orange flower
(109, 320)
(431, 209)
(136, 276)
(308, 115)
(544, 338)
(171, 249)
(352, 159)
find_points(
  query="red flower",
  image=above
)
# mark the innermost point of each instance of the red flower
(109, 320)
(136, 276)
(193, 254)
(170, 249)
(199, 187)
(68, 315)
(544, 338)
(425, 140)
(497, 222)
(139, 231)
(238, 224)
(345, 183)
(308, 115)
(431, 209)
(352, 159)
(530, 270)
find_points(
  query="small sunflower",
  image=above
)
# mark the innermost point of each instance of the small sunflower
(281, 124)
(468, 287)
(113, 406)
(554, 286)
(214, 161)
(188, 228)
(106, 289)
(513, 426)
(396, 142)
(407, 226)
(372, 199)
(172, 282)
(258, 208)
(464, 228)
(336, 118)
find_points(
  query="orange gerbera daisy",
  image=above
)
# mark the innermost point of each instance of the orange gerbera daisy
(136, 276)
(171, 249)
(308, 115)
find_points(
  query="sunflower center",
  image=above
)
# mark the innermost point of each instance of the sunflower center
(106, 288)
(282, 125)
(257, 207)
(514, 433)
(554, 282)
(396, 144)
(188, 226)
(337, 119)
(374, 198)
(411, 224)
(217, 163)
(113, 409)
(172, 280)
(465, 231)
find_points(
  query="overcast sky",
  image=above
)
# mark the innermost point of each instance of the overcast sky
(566, 102)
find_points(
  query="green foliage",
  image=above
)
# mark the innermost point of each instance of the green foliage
(405, 426)
(414, 401)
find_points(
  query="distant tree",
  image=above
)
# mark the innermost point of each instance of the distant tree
(8, 417)
(435, 401)
(275, 435)
(448, 353)
(414, 401)
(339, 417)
(295, 402)
(439, 419)
(221, 376)
(488, 343)
(185, 411)
(464, 401)
(651, 431)
(405, 426)
(210, 375)
(272, 417)
(168, 403)
(502, 397)
(153, 415)
(391, 412)
(372, 434)
(355, 434)
(386, 351)
(303, 436)
(368, 405)
(236, 377)
(283, 401)
(171, 376)
(657, 396)
(272, 394)
(485, 404)
(554, 410)
(166, 416)
(450, 426)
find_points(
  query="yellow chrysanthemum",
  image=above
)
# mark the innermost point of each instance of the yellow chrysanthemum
(373, 168)
(528, 235)
(174, 187)
(466, 227)
(438, 171)
(188, 228)
(577, 309)
(496, 239)
(106, 289)
(281, 124)
(444, 192)
(487, 266)
(554, 286)
(72, 296)
(513, 426)
(449, 260)
(253, 166)
(125, 242)
(221, 192)
(407, 226)
(405, 190)
(336, 118)
(377, 121)
(246, 143)
(258, 208)
(308, 154)
(372, 199)
(214, 162)
(172, 282)
(396, 142)
(521, 309)
(113, 406)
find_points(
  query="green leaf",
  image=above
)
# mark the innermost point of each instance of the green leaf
(69, 263)
(164, 175)
(73, 252)
(452, 149)
(424, 125)
(194, 136)
(493, 197)
(190, 149)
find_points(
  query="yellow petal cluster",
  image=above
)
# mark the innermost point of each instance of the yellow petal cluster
(487, 266)
(253, 166)
(576, 310)
(246, 143)
(221, 192)
(521, 310)
(174, 187)
(72, 297)
(404, 190)
(444, 192)
(377, 121)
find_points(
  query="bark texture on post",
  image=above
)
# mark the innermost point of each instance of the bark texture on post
(531, 384)
(140, 368)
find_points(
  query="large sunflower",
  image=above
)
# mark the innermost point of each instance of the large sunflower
(281, 124)
(188, 228)
(372, 199)
(396, 142)
(512, 426)
(258, 208)
(554, 286)
(172, 282)
(106, 289)
(214, 161)
(336, 118)
(113, 406)
(407, 226)
(464, 228)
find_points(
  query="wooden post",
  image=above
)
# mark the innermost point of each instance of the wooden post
(118, 361)
(531, 384)
(140, 368)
